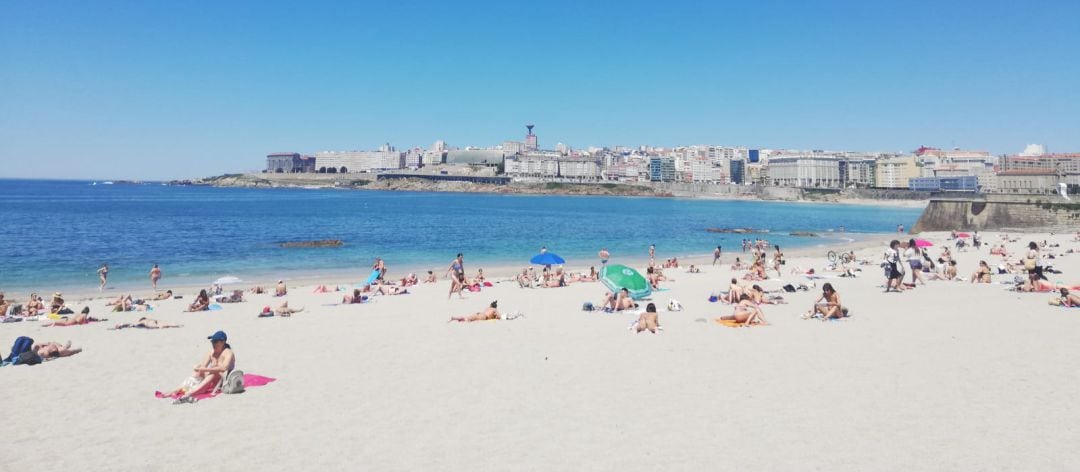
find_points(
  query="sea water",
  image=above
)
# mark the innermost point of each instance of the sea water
(55, 234)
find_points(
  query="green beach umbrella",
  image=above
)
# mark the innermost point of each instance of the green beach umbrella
(617, 277)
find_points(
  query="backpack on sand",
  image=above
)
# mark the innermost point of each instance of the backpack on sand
(21, 345)
(234, 383)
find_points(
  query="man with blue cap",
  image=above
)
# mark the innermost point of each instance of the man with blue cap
(209, 371)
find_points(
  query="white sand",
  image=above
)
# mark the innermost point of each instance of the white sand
(951, 376)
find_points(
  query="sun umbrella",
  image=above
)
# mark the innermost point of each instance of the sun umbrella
(547, 258)
(617, 277)
(962, 235)
(228, 279)
(923, 243)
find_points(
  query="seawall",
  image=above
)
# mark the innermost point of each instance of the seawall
(1018, 213)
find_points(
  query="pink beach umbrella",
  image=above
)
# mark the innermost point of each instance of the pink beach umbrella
(923, 243)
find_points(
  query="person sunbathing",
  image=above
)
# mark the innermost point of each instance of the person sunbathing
(201, 303)
(479, 279)
(999, 251)
(693, 270)
(1069, 299)
(257, 290)
(738, 265)
(1038, 285)
(281, 290)
(284, 310)
(409, 280)
(982, 275)
(34, 307)
(556, 280)
(383, 289)
(734, 293)
(80, 319)
(163, 296)
(759, 296)
(355, 297)
(53, 350)
(525, 280)
(57, 303)
(489, 313)
(746, 312)
(430, 278)
(206, 374)
(4, 305)
(653, 278)
(236, 296)
(649, 320)
(618, 301)
(828, 306)
(147, 323)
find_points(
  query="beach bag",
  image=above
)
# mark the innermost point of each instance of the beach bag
(1029, 264)
(234, 383)
(28, 358)
(21, 345)
(789, 288)
(674, 305)
(587, 306)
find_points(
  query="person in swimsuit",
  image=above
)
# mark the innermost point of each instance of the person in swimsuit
(53, 350)
(649, 320)
(103, 275)
(489, 313)
(716, 255)
(746, 312)
(33, 307)
(147, 323)
(206, 374)
(4, 304)
(604, 256)
(430, 278)
(828, 305)
(201, 303)
(155, 275)
(80, 319)
(982, 275)
(281, 290)
(457, 276)
(1069, 299)
(618, 301)
(284, 310)
(652, 252)
(163, 296)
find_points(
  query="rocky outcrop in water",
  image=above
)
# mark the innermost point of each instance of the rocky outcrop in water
(319, 243)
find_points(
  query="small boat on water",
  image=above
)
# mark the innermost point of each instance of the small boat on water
(107, 182)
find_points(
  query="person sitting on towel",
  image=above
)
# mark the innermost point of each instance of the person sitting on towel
(209, 370)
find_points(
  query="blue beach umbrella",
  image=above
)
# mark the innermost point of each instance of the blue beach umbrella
(617, 277)
(546, 259)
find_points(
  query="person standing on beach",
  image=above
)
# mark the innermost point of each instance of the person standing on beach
(894, 277)
(604, 256)
(155, 275)
(103, 274)
(652, 252)
(716, 255)
(457, 275)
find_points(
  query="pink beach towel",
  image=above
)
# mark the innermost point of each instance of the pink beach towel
(250, 380)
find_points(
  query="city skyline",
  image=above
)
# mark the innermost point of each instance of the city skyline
(139, 91)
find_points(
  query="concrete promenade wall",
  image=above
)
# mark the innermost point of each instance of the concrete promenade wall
(1018, 213)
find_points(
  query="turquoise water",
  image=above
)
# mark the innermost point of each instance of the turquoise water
(55, 234)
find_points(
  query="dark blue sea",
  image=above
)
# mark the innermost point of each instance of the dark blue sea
(55, 234)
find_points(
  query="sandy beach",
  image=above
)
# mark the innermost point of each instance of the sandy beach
(948, 376)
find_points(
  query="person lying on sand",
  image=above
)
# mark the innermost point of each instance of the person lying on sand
(284, 310)
(828, 306)
(746, 312)
(557, 280)
(618, 301)
(208, 371)
(1069, 299)
(759, 296)
(257, 290)
(53, 350)
(383, 289)
(693, 270)
(80, 319)
(147, 323)
(236, 296)
(163, 296)
(281, 290)
(489, 313)
(649, 320)
(201, 303)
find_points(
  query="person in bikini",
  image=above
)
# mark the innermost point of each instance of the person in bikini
(618, 301)
(649, 320)
(155, 275)
(828, 306)
(746, 312)
(206, 374)
(146, 323)
(201, 303)
(489, 313)
(80, 319)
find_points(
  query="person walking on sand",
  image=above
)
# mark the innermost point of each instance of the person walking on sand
(652, 252)
(716, 254)
(604, 256)
(103, 275)
(457, 276)
(914, 256)
(894, 277)
(155, 275)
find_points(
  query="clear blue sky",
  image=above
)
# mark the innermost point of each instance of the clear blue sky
(137, 89)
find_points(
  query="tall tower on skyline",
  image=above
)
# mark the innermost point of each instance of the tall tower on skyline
(530, 139)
